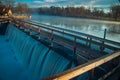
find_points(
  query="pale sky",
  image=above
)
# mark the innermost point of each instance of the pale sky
(88, 3)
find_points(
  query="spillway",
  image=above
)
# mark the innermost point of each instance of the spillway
(38, 60)
(35, 60)
(23, 57)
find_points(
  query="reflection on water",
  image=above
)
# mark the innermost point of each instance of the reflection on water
(89, 26)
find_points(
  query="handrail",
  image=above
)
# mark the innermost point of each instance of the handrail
(70, 33)
(79, 33)
(74, 72)
(80, 69)
(83, 34)
(113, 47)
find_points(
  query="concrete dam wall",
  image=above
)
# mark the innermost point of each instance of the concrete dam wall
(31, 51)
(29, 59)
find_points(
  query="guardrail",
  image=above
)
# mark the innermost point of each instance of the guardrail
(74, 72)
(71, 44)
(104, 43)
(75, 32)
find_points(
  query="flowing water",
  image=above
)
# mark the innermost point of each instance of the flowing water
(39, 60)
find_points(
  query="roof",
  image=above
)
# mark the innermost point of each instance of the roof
(1, 8)
(4, 9)
(7, 9)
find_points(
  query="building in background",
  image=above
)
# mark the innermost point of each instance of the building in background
(5, 11)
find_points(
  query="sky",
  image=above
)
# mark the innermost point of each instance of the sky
(76, 3)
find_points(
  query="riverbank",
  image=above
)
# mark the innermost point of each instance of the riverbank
(105, 20)
(88, 26)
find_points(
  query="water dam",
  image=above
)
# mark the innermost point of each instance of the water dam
(27, 56)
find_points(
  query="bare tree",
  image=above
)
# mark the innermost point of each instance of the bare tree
(115, 11)
(8, 3)
(22, 8)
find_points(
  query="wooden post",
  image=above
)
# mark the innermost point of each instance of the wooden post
(52, 37)
(92, 74)
(74, 50)
(38, 33)
(69, 74)
(24, 25)
(105, 34)
(87, 42)
(63, 33)
(104, 37)
(90, 42)
(21, 25)
(30, 29)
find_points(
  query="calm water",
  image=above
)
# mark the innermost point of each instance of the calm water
(88, 26)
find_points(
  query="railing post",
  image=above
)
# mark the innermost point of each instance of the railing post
(30, 29)
(92, 74)
(90, 42)
(63, 33)
(104, 37)
(105, 34)
(52, 37)
(17, 24)
(87, 41)
(20, 25)
(74, 50)
(24, 25)
(38, 33)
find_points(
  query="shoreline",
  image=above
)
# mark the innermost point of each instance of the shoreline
(101, 20)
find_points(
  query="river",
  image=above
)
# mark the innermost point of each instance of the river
(88, 26)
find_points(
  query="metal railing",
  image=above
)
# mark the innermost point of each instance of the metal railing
(58, 35)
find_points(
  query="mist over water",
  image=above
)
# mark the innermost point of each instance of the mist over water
(88, 26)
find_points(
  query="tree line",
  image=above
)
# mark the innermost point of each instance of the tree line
(19, 8)
(82, 12)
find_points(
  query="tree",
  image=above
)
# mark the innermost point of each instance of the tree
(8, 3)
(115, 11)
(22, 8)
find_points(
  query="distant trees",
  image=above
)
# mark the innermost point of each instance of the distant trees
(22, 8)
(115, 11)
(83, 12)
(72, 11)
(8, 3)
(19, 8)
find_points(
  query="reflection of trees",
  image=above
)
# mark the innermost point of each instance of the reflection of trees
(81, 24)
(114, 28)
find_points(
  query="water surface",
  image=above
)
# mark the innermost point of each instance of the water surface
(88, 26)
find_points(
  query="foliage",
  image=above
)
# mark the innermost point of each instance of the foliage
(115, 11)
(83, 12)
(72, 11)
(21, 8)
(8, 3)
